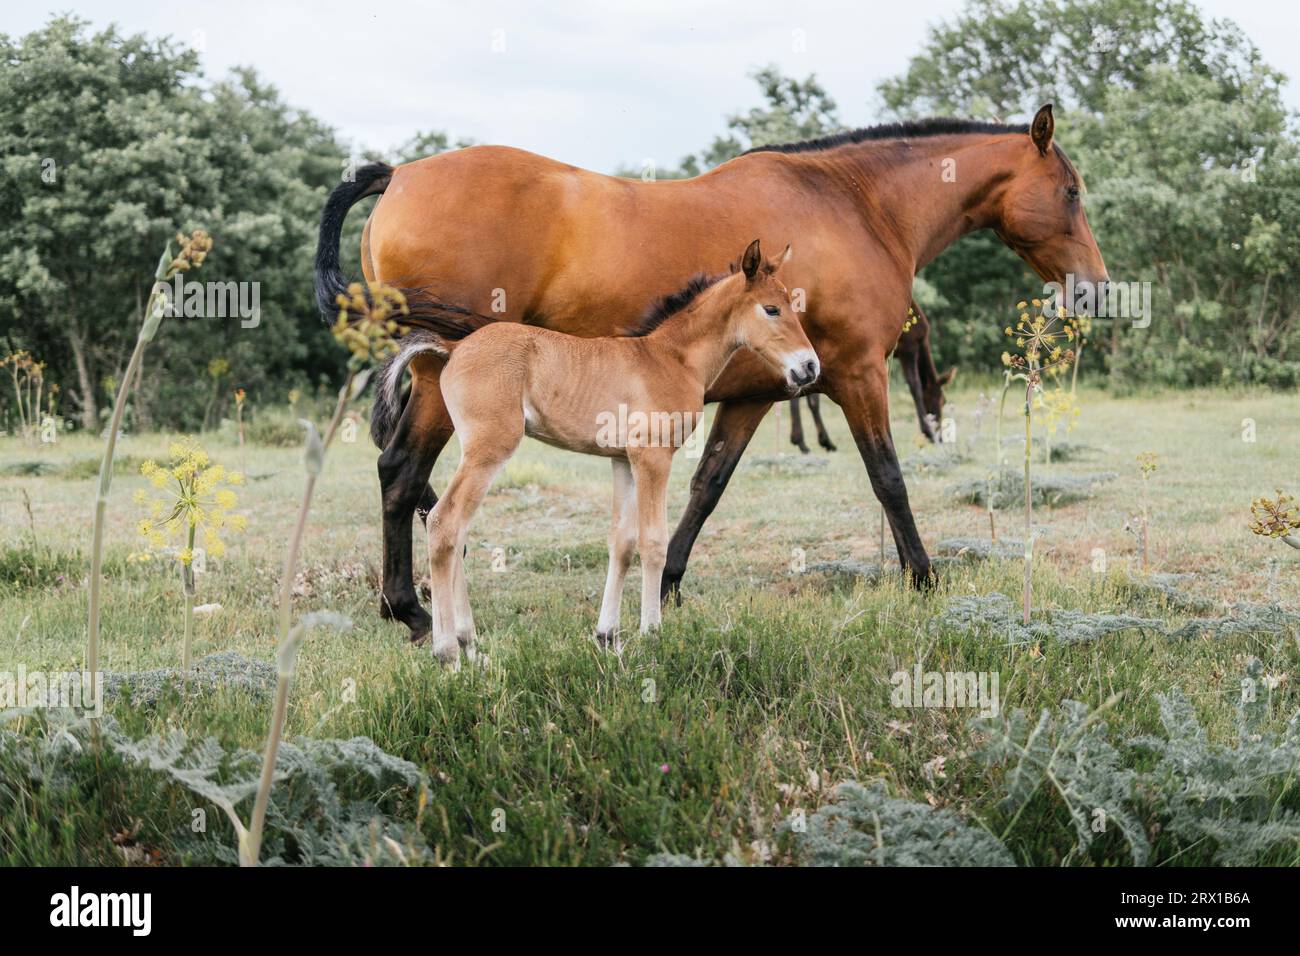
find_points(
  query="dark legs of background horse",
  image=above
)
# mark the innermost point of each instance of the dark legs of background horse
(823, 436)
(796, 427)
(404, 469)
(733, 427)
(796, 424)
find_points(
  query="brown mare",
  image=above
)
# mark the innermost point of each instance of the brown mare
(527, 239)
(923, 381)
(633, 399)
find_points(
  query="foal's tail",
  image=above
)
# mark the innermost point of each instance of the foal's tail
(432, 330)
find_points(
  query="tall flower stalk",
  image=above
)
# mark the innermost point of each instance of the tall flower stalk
(1041, 345)
(194, 248)
(1146, 462)
(367, 327)
(198, 509)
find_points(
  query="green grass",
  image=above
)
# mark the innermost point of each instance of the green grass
(764, 690)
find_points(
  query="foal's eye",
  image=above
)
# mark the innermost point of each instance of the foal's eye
(772, 309)
(1073, 193)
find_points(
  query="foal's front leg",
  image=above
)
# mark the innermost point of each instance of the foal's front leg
(650, 470)
(622, 542)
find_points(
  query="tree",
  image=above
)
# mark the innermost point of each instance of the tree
(114, 143)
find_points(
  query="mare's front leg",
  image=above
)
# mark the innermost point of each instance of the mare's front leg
(650, 469)
(863, 395)
(622, 542)
(734, 426)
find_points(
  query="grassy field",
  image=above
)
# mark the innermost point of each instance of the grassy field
(764, 691)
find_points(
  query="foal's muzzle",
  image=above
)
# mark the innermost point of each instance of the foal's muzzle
(802, 369)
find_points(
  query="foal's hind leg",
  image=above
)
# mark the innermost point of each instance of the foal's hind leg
(622, 542)
(448, 528)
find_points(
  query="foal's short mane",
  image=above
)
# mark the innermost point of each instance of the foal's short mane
(661, 310)
(912, 129)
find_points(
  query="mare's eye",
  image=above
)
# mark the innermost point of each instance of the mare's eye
(772, 309)
(1073, 193)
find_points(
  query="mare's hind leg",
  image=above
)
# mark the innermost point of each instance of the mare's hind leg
(796, 425)
(733, 427)
(622, 542)
(404, 469)
(823, 436)
(485, 449)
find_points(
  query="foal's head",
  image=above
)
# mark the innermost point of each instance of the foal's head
(764, 320)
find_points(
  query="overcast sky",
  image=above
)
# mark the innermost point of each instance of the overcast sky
(594, 84)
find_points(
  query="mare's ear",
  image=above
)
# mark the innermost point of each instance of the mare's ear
(947, 377)
(751, 260)
(1040, 130)
(780, 260)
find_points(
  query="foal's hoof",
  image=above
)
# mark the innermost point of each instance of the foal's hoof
(828, 445)
(609, 641)
(447, 653)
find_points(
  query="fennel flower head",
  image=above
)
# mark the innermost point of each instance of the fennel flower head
(1042, 341)
(198, 505)
(367, 322)
(1275, 517)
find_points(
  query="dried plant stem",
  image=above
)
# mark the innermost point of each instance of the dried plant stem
(1029, 501)
(250, 846)
(187, 579)
(1291, 540)
(101, 504)
(1002, 405)
(1146, 524)
(882, 537)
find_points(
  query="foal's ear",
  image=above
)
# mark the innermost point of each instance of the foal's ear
(751, 260)
(1040, 130)
(780, 260)
(947, 377)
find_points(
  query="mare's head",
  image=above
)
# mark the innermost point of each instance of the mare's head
(1041, 213)
(763, 318)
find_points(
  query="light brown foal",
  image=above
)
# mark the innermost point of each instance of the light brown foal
(507, 380)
